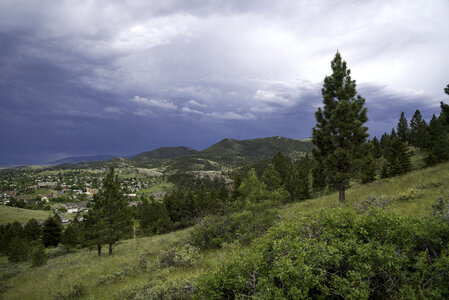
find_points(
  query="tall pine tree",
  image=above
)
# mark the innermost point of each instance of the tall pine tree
(110, 215)
(402, 128)
(418, 129)
(339, 135)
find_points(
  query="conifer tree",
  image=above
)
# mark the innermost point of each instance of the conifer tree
(377, 150)
(418, 128)
(32, 230)
(110, 214)
(51, 233)
(235, 193)
(280, 164)
(339, 135)
(398, 158)
(446, 89)
(402, 128)
(271, 178)
(69, 237)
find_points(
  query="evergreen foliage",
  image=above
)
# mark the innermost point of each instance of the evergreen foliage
(397, 157)
(402, 129)
(39, 256)
(154, 218)
(339, 135)
(376, 149)
(110, 218)
(69, 237)
(32, 230)
(51, 232)
(271, 178)
(418, 130)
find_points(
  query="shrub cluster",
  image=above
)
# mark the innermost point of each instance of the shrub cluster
(339, 254)
(180, 256)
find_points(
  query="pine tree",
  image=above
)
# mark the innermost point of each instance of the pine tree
(235, 193)
(110, 213)
(271, 178)
(339, 135)
(446, 89)
(51, 233)
(398, 158)
(377, 150)
(402, 128)
(69, 237)
(280, 164)
(418, 128)
(32, 230)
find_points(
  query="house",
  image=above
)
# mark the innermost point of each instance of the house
(63, 219)
(73, 210)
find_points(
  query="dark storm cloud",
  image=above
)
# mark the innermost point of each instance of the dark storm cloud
(120, 77)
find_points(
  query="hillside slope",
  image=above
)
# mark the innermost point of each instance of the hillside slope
(230, 153)
(135, 266)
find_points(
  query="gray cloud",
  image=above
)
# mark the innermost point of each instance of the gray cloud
(253, 67)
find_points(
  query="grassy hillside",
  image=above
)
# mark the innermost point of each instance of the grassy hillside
(134, 265)
(10, 214)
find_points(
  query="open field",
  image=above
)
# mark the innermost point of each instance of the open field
(134, 265)
(10, 214)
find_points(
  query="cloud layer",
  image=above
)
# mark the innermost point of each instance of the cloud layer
(123, 77)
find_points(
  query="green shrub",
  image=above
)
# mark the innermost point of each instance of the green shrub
(372, 202)
(244, 226)
(441, 208)
(339, 254)
(114, 277)
(77, 291)
(180, 256)
(39, 256)
(408, 195)
(160, 289)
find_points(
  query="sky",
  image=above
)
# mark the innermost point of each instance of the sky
(123, 77)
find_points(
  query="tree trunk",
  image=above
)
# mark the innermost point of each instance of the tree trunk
(341, 192)
(99, 250)
(110, 248)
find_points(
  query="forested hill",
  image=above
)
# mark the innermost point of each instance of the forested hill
(228, 153)
(162, 153)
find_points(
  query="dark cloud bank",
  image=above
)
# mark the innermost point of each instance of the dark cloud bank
(83, 78)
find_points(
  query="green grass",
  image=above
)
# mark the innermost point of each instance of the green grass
(164, 186)
(10, 214)
(85, 268)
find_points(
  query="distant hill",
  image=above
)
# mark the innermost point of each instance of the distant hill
(226, 154)
(162, 153)
(230, 153)
(80, 159)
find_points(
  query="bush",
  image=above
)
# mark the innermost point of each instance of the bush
(441, 208)
(244, 226)
(76, 291)
(339, 254)
(180, 256)
(372, 202)
(19, 250)
(39, 256)
(408, 195)
(114, 277)
(161, 289)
